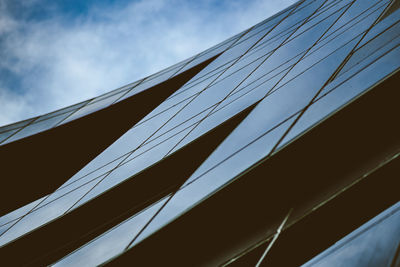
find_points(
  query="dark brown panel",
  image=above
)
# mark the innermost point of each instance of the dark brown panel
(328, 158)
(37, 165)
(112, 207)
(329, 223)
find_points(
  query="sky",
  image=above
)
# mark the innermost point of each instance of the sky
(55, 53)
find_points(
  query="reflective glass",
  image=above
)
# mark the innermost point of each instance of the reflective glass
(14, 215)
(16, 125)
(36, 127)
(4, 227)
(344, 89)
(373, 244)
(357, 9)
(44, 215)
(133, 165)
(6, 134)
(62, 111)
(69, 195)
(111, 243)
(150, 82)
(285, 101)
(125, 88)
(301, 40)
(370, 48)
(93, 106)
(381, 25)
(210, 53)
(130, 141)
(282, 62)
(205, 182)
(227, 109)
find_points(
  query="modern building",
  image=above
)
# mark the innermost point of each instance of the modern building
(278, 147)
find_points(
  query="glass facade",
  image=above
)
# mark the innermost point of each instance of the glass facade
(290, 73)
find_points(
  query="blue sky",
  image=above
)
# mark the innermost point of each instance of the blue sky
(55, 53)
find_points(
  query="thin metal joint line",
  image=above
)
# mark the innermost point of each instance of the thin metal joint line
(245, 78)
(263, 61)
(134, 150)
(277, 233)
(330, 79)
(20, 129)
(185, 128)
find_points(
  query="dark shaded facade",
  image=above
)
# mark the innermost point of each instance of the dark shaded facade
(277, 147)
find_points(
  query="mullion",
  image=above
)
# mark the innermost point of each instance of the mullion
(376, 48)
(172, 75)
(20, 129)
(240, 83)
(31, 210)
(171, 129)
(93, 100)
(212, 113)
(252, 52)
(332, 77)
(307, 51)
(122, 161)
(172, 195)
(276, 126)
(261, 45)
(353, 75)
(261, 55)
(214, 104)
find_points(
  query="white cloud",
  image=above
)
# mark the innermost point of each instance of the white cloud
(60, 62)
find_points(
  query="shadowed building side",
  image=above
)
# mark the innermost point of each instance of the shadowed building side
(37, 165)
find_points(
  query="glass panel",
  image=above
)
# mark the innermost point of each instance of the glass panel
(7, 134)
(125, 88)
(321, 13)
(272, 43)
(381, 26)
(286, 23)
(187, 93)
(209, 94)
(210, 53)
(139, 160)
(66, 191)
(93, 106)
(205, 181)
(37, 127)
(130, 140)
(149, 82)
(111, 243)
(62, 111)
(16, 125)
(4, 227)
(43, 215)
(362, 53)
(134, 164)
(174, 68)
(68, 188)
(303, 39)
(357, 9)
(282, 103)
(373, 244)
(14, 215)
(351, 27)
(228, 109)
(343, 90)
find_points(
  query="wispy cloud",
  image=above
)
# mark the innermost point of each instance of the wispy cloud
(59, 60)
